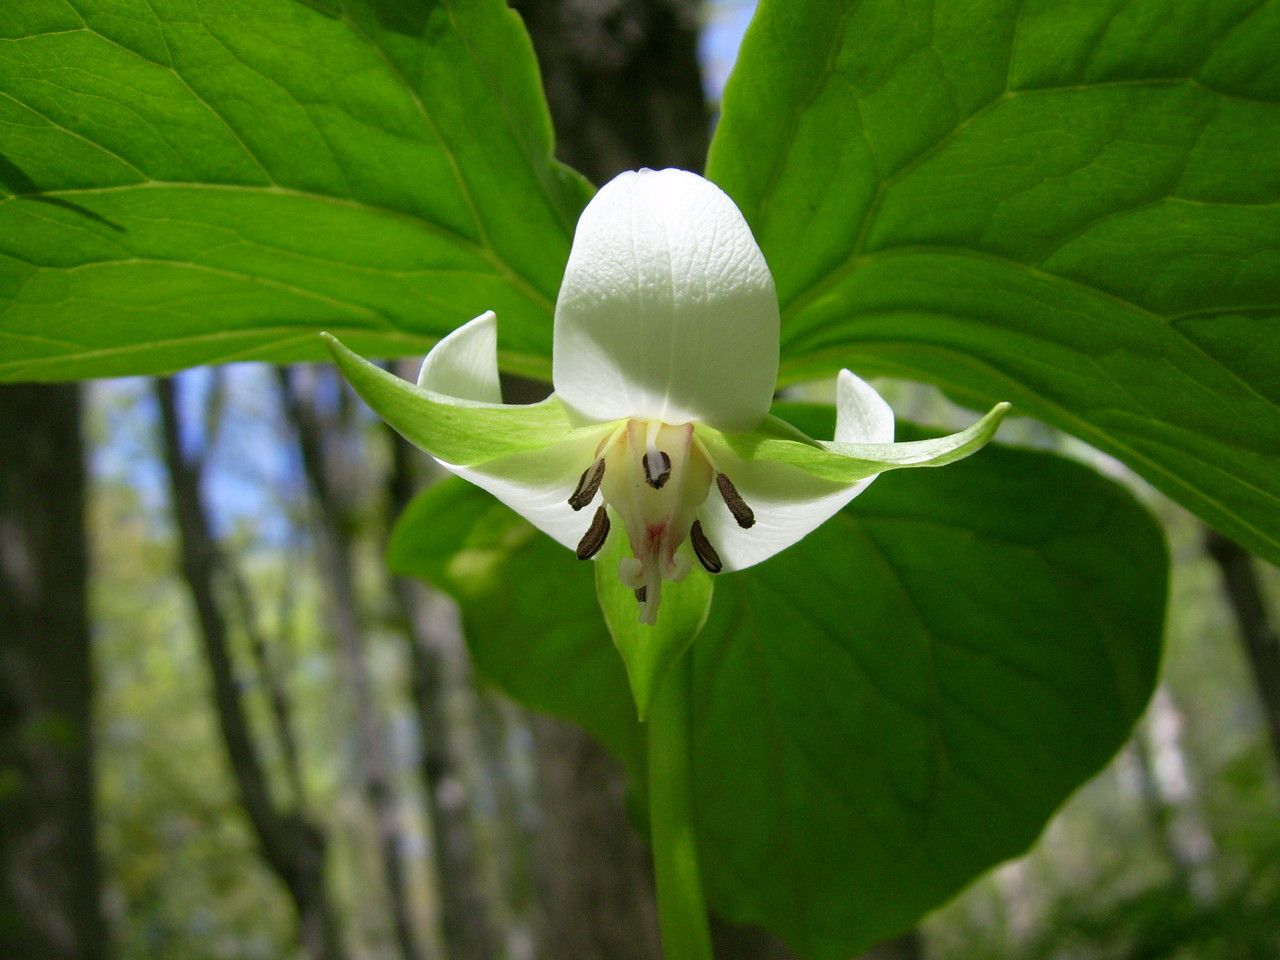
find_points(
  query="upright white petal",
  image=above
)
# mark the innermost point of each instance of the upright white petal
(788, 503)
(667, 310)
(862, 415)
(464, 365)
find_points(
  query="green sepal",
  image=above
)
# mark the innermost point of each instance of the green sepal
(649, 651)
(776, 441)
(459, 432)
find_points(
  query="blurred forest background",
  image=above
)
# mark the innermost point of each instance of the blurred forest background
(228, 733)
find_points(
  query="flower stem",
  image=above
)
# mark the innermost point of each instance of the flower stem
(682, 912)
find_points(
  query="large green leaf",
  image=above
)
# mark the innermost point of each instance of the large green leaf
(903, 700)
(1070, 204)
(881, 712)
(195, 182)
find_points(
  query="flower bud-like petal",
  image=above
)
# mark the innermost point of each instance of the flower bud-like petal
(667, 311)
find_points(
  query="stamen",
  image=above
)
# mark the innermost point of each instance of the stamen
(641, 593)
(657, 468)
(588, 484)
(733, 500)
(706, 553)
(594, 538)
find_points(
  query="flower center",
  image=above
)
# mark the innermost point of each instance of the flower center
(655, 476)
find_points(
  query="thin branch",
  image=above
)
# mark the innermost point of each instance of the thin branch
(1257, 632)
(338, 571)
(292, 846)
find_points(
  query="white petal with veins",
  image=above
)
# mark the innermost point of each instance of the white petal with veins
(787, 502)
(667, 310)
(464, 365)
(536, 484)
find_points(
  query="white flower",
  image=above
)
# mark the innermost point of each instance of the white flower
(665, 362)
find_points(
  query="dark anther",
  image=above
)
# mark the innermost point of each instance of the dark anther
(594, 538)
(656, 480)
(733, 500)
(641, 593)
(707, 555)
(588, 484)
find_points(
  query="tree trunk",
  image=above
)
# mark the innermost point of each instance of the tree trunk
(48, 860)
(1257, 632)
(337, 569)
(291, 845)
(466, 908)
(623, 81)
(594, 873)
(1172, 800)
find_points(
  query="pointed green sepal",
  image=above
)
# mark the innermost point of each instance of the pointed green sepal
(457, 431)
(649, 651)
(776, 441)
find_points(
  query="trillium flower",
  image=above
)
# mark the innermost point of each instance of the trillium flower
(664, 363)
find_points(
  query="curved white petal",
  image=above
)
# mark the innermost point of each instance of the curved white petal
(667, 310)
(529, 457)
(788, 503)
(862, 415)
(537, 484)
(464, 365)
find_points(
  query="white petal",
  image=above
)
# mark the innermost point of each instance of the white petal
(667, 310)
(862, 415)
(537, 484)
(787, 503)
(529, 457)
(464, 365)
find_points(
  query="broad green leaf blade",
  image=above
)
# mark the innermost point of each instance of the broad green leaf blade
(902, 701)
(883, 711)
(188, 183)
(649, 651)
(528, 607)
(1071, 206)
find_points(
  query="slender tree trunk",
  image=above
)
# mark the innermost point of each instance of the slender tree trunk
(271, 680)
(1172, 800)
(291, 845)
(466, 908)
(1257, 632)
(49, 876)
(337, 569)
